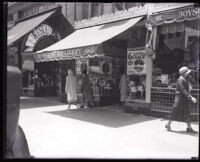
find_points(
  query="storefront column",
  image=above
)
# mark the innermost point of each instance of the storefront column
(149, 65)
(149, 62)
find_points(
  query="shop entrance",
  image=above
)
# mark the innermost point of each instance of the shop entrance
(45, 82)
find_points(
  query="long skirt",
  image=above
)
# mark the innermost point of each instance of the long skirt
(87, 97)
(181, 112)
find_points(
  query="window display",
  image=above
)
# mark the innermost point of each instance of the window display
(103, 74)
(170, 58)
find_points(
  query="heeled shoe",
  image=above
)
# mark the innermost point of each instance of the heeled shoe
(190, 130)
(168, 127)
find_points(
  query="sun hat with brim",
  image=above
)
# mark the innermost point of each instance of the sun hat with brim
(184, 71)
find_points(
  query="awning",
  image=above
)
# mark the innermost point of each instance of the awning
(24, 27)
(84, 42)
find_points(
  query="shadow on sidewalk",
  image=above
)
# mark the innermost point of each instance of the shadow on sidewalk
(185, 133)
(103, 117)
(36, 102)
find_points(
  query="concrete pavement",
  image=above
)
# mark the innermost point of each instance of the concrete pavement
(52, 131)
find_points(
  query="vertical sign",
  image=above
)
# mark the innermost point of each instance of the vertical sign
(136, 62)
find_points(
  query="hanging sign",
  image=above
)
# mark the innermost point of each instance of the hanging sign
(38, 9)
(136, 62)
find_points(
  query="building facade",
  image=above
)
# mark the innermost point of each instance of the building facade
(151, 41)
(37, 25)
(152, 56)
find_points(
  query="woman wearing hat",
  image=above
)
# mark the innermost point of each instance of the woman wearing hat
(181, 110)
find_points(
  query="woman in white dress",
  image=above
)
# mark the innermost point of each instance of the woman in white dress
(71, 88)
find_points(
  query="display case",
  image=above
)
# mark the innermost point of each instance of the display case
(103, 74)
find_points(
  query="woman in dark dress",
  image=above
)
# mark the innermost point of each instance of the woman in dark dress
(181, 111)
(86, 89)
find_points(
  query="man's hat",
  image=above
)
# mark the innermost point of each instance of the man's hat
(184, 70)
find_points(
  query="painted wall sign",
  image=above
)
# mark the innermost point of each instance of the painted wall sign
(38, 9)
(178, 16)
(136, 62)
(37, 33)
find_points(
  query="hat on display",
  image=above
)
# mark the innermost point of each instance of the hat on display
(184, 70)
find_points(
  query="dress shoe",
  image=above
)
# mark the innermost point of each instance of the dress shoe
(190, 130)
(168, 127)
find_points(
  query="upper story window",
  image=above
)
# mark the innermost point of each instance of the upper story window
(95, 9)
(85, 9)
(119, 6)
(90, 10)
(122, 6)
(130, 5)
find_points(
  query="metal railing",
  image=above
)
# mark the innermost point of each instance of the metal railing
(162, 100)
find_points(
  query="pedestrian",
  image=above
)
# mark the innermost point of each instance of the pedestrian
(71, 88)
(123, 87)
(86, 89)
(180, 111)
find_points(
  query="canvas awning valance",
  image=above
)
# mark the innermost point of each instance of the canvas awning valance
(84, 42)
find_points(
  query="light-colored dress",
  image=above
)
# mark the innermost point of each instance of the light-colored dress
(71, 88)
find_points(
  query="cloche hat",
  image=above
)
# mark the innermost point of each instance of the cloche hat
(184, 70)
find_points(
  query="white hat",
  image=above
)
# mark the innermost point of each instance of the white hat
(184, 70)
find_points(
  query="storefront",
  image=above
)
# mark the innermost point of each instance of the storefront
(177, 45)
(102, 50)
(42, 26)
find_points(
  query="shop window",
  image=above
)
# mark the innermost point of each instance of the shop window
(168, 61)
(164, 36)
(178, 34)
(170, 35)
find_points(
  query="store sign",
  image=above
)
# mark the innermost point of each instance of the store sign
(39, 9)
(178, 16)
(43, 30)
(136, 62)
(37, 33)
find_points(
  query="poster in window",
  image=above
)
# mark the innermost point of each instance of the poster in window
(136, 62)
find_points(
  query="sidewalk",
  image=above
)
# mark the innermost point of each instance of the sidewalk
(52, 131)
